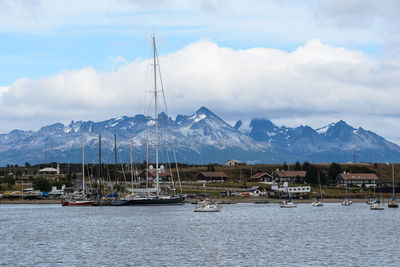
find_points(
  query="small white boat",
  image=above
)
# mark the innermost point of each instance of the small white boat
(317, 203)
(287, 203)
(206, 206)
(370, 201)
(378, 205)
(347, 202)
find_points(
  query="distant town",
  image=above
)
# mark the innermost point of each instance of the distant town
(234, 180)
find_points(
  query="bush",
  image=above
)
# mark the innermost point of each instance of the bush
(41, 184)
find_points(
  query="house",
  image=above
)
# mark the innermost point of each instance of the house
(368, 179)
(233, 162)
(255, 191)
(261, 177)
(164, 175)
(289, 176)
(48, 170)
(211, 177)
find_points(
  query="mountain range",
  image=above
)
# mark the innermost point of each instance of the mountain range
(202, 137)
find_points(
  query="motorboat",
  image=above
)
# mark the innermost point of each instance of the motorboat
(207, 206)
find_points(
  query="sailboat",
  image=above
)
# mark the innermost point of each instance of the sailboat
(318, 202)
(151, 196)
(378, 204)
(288, 203)
(206, 205)
(393, 202)
(78, 198)
(346, 201)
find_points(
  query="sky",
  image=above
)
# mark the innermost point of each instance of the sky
(301, 62)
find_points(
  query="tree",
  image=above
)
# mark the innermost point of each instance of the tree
(285, 166)
(306, 165)
(27, 165)
(312, 175)
(210, 167)
(334, 170)
(10, 181)
(297, 167)
(41, 184)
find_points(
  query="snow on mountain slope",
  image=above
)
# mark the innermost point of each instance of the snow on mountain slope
(200, 137)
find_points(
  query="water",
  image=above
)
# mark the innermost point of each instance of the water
(239, 235)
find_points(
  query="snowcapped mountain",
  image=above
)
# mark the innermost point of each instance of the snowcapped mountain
(198, 138)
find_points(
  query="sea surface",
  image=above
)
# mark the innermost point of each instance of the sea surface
(239, 235)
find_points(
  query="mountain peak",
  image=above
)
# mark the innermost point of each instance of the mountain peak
(204, 110)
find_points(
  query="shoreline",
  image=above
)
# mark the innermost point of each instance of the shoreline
(193, 201)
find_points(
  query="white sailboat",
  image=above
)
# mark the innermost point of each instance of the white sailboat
(346, 201)
(79, 198)
(393, 203)
(207, 206)
(318, 202)
(378, 204)
(288, 203)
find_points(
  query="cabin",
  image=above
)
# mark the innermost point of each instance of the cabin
(367, 179)
(234, 162)
(289, 176)
(261, 177)
(163, 175)
(255, 191)
(211, 177)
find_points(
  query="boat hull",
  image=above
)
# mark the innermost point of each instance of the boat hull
(393, 205)
(77, 203)
(206, 209)
(148, 201)
(377, 207)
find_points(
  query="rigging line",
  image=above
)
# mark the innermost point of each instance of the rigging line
(122, 165)
(169, 163)
(169, 124)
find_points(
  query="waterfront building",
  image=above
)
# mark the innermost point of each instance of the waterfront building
(289, 176)
(367, 179)
(261, 177)
(211, 177)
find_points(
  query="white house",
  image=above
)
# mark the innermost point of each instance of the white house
(233, 162)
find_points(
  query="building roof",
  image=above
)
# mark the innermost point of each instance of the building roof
(254, 188)
(152, 173)
(258, 175)
(290, 173)
(48, 169)
(359, 176)
(234, 160)
(212, 174)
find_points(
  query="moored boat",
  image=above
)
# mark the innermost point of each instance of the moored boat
(207, 206)
(393, 203)
(288, 203)
(78, 198)
(378, 205)
(153, 196)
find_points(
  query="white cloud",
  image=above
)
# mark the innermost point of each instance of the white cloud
(316, 84)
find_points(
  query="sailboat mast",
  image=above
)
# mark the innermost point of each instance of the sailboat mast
(393, 177)
(156, 110)
(130, 148)
(147, 160)
(83, 162)
(100, 176)
(115, 161)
